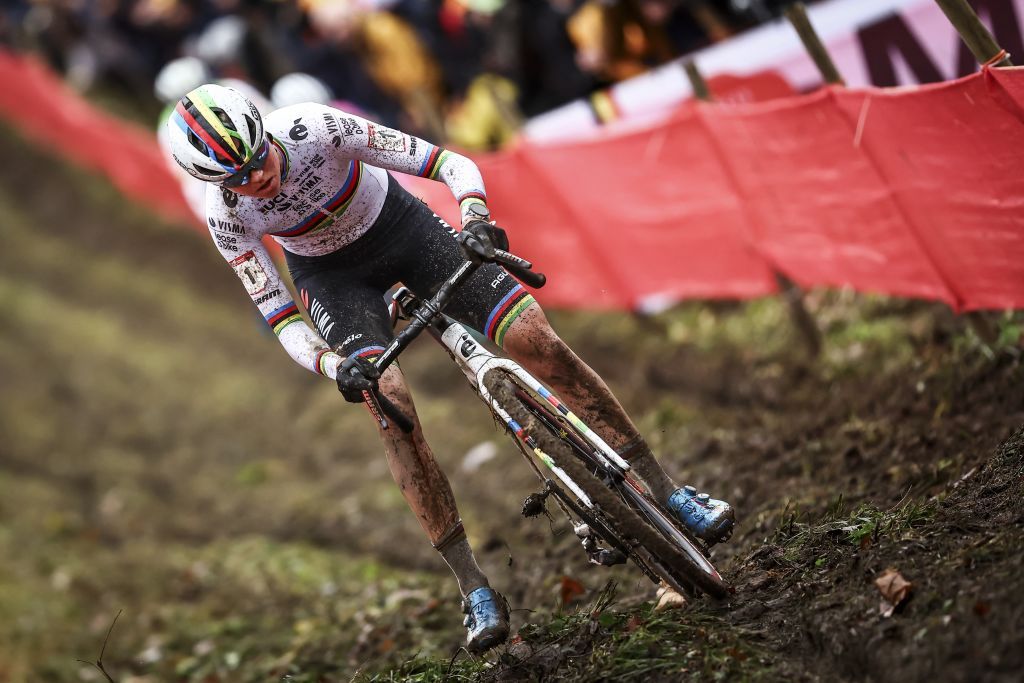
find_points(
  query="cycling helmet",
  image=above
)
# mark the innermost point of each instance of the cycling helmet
(178, 76)
(213, 131)
(296, 88)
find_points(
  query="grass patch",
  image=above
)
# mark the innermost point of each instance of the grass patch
(600, 642)
(806, 544)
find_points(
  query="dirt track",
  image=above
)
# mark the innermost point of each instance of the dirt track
(243, 555)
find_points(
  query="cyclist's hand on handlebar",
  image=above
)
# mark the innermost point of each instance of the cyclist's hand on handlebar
(479, 239)
(356, 375)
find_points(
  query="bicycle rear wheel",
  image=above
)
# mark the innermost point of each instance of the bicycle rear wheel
(673, 557)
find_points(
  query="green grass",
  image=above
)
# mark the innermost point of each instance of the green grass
(164, 458)
(809, 544)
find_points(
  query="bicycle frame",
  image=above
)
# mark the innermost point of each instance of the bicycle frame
(476, 361)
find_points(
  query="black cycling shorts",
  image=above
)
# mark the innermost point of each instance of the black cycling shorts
(409, 244)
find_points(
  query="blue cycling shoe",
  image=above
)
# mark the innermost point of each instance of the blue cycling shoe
(706, 518)
(486, 619)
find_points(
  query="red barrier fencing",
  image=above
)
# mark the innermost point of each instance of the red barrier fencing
(45, 110)
(911, 192)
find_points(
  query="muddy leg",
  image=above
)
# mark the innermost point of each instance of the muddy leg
(531, 341)
(426, 487)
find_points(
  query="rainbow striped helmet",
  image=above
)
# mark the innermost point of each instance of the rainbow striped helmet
(213, 131)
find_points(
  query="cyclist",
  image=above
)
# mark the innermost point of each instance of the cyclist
(317, 180)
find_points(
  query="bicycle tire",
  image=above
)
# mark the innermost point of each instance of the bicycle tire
(626, 521)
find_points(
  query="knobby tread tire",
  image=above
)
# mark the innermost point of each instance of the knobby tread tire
(626, 521)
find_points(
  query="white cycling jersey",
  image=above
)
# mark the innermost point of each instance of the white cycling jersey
(334, 182)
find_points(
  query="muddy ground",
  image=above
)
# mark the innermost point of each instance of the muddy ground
(164, 459)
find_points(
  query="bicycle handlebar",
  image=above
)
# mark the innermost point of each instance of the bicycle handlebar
(425, 314)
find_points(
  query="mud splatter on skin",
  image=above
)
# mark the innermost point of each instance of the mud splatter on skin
(413, 466)
(532, 342)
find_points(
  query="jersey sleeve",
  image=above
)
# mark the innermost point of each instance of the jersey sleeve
(394, 150)
(252, 263)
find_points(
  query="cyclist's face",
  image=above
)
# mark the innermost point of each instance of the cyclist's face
(264, 182)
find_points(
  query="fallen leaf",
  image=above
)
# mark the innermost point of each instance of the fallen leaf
(570, 590)
(669, 599)
(982, 608)
(895, 591)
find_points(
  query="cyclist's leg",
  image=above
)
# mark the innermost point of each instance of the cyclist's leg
(495, 303)
(531, 340)
(353, 319)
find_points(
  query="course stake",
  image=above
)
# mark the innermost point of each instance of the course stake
(797, 15)
(974, 33)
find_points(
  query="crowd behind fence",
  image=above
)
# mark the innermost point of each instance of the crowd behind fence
(459, 71)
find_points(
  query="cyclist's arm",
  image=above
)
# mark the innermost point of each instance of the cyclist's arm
(254, 267)
(394, 150)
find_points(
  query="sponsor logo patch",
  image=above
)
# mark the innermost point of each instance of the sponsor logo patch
(332, 129)
(229, 197)
(266, 297)
(319, 315)
(226, 242)
(251, 273)
(298, 131)
(350, 127)
(225, 226)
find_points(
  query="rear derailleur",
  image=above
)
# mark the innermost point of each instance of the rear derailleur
(606, 557)
(535, 504)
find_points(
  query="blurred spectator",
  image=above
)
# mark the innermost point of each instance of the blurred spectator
(618, 39)
(531, 46)
(295, 88)
(465, 70)
(179, 76)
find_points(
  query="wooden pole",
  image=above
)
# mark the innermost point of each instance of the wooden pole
(791, 292)
(697, 82)
(984, 47)
(797, 15)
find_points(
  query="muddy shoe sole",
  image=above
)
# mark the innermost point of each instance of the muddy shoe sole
(488, 639)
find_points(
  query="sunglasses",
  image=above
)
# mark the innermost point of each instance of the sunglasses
(241, 177)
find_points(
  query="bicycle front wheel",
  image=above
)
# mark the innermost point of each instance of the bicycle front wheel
(676, 559)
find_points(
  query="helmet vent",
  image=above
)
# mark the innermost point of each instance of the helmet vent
(224, 118)
(206, 171)
(201, 146)
(252, 130)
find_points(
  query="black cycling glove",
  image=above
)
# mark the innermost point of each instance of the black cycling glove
(355, 376)
(479, 239)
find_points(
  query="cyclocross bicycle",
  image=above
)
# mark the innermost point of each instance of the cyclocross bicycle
(612, 513)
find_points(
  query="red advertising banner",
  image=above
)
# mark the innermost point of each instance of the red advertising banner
(911, 192)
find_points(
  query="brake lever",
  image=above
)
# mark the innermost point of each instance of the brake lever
(520, 267)
(379, 405)
(373, 405)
